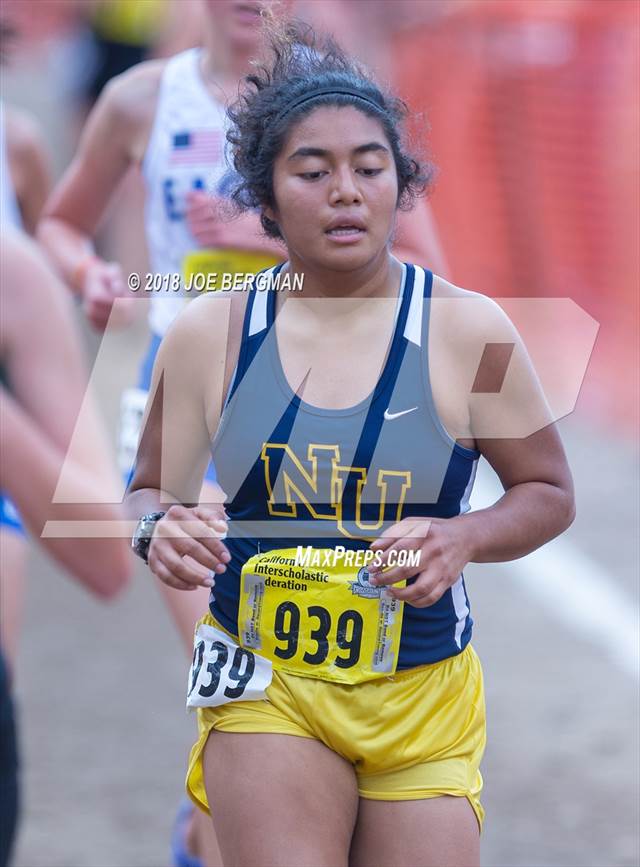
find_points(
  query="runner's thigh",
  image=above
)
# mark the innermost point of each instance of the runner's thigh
(434, 832)
(279, 799)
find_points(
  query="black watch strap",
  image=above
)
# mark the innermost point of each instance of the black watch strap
(144, 533)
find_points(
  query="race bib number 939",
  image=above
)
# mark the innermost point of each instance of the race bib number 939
(222, 672)
(328, 622)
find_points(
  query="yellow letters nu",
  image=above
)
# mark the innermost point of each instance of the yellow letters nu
(294, 484)
(391, 487)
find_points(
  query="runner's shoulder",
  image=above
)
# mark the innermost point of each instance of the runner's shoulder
(468, 315)
(132, 96)
(208, 324)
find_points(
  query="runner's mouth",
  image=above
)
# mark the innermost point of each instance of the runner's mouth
(345, 231)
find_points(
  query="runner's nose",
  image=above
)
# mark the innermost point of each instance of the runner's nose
(344, 189)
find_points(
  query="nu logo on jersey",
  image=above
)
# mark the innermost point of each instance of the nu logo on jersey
(322, 488)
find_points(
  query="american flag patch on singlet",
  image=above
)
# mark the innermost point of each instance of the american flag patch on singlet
(196, 147)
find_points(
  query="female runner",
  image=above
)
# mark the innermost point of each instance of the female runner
(340, 703)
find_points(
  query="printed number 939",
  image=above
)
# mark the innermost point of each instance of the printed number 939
(348, 635)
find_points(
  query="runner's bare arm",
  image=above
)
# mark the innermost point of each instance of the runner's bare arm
(44, 429)
(514, 429)
(39, 345)
(487, 395)
(101, 564)
(188, 370)
(183, 411)
(28, 166)
(114, 139)
(191, 376)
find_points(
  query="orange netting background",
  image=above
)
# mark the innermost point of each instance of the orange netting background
(533, 110)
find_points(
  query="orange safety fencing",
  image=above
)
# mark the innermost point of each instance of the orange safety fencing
(534, 123)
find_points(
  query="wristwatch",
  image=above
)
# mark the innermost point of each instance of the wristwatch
(141, 539)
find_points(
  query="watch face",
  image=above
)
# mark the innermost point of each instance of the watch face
(147, 526)
(144, 532)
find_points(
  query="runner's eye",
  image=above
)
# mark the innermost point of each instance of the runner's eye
(369, 173)
(311, 176)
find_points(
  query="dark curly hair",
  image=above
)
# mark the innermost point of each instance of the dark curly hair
(260, 119)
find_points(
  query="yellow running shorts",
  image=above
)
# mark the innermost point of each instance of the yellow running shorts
(418, 734)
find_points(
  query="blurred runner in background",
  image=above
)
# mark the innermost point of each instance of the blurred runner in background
(42, 387)
(24, 185)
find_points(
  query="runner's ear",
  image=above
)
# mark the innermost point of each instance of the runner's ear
(270, 214)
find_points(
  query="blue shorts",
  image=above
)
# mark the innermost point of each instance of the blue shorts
(9, 517)
(144, 384)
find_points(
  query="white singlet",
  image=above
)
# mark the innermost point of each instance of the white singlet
(9, 210)
(185, 152)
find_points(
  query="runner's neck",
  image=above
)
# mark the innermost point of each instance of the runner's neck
(222, 67)
(379, 279)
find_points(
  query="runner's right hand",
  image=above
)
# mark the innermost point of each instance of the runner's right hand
(186, 547)
(102, 284)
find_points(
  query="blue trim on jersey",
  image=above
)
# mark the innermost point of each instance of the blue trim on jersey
(146, 367)
(250, 344)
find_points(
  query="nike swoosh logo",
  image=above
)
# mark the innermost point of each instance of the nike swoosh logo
(389, 416)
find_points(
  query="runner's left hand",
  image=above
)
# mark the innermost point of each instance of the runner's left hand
(210, 223)
(444, 552)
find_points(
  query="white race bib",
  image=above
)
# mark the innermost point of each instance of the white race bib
(222, 672)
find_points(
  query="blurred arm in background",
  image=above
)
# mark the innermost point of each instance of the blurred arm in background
(113, 140)
(28, 164)
(43, 388)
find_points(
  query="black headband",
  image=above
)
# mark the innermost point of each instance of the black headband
(326, 91)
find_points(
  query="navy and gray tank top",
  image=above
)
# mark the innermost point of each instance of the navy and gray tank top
(296, 474)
